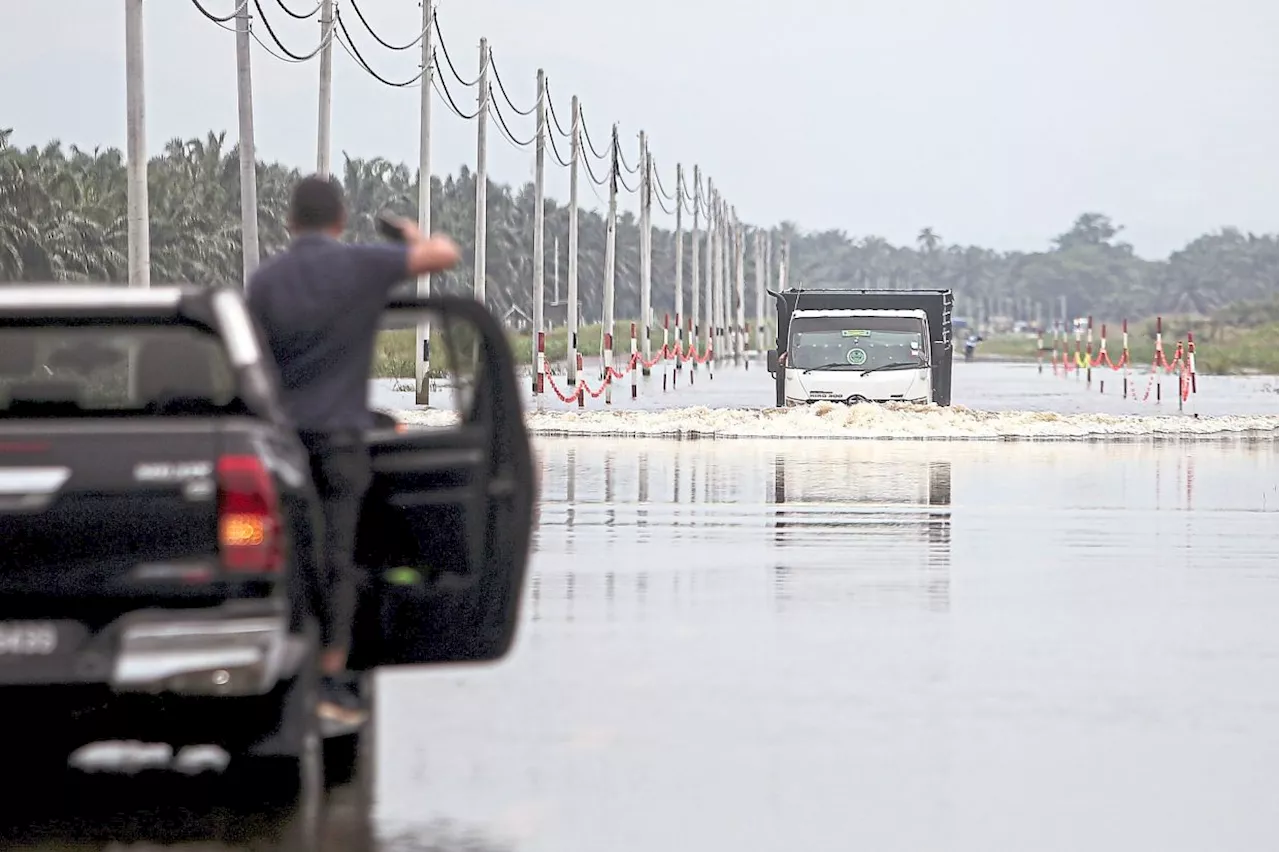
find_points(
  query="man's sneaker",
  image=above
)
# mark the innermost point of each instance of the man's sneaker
(339, 706)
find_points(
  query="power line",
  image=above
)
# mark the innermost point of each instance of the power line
(435, 19)
(272, 33)
(266, 48)
(617, 159)
(443, 90)
(502, 124)
(551, 107)
(657, 179)
(349, 46)
(586, 161)
(685, 186)
(296, 15)
(694, 199)
(622, 182)
(503, 89)
(622, 161)
(582, 125)
(215, 18)
(379, 39)
(685, 199)
(555, 152)
(663, 207)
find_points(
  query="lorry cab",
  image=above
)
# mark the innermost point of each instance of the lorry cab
(855, 356)
(863, 346)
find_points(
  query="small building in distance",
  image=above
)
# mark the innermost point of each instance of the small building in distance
(515, 318)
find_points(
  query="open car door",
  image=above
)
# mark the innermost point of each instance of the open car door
(446, 527)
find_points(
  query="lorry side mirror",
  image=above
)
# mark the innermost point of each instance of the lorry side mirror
(771, 360)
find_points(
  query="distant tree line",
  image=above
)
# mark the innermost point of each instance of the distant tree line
(62, 217)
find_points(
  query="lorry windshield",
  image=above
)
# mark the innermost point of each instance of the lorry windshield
(856, 342)
(77, 370)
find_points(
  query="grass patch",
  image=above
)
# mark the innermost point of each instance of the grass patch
(1222, 348)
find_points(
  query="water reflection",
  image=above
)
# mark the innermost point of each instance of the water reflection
(158, 809)
(899, 512)
(161, 810)
(873, 519)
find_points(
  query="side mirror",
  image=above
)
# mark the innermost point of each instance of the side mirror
(772, 360)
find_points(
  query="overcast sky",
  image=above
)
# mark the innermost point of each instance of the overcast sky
(995, 122)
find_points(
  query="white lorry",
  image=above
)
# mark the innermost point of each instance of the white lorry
(862, 346)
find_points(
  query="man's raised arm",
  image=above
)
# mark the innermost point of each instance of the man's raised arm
(427, 254)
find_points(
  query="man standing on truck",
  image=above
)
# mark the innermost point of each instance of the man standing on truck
(319, 304)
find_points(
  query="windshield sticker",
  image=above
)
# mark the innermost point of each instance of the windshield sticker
(855, 332)
(857, 357)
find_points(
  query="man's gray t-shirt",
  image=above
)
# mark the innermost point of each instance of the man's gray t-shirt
(319, 305)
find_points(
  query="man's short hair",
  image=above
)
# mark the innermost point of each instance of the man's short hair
(317, 204)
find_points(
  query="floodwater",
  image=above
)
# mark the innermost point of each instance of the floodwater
(981, 385)
(768, 644)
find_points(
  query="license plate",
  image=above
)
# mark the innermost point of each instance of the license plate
(28, 638)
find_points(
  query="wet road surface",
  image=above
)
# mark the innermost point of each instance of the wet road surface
(765, 644)
(878, 646)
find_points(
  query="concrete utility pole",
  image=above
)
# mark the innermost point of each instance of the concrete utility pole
(482, 178)
(741, 317)
(718, 294)
(610, 245)
(727, 253)
(571, 311)
(646, 249)
(323, 144)
(694, 265)
(768, 266)
(136, 124)
(679, 336)
(783, 262)
(422, 333)
(708, 329)
(722, 276)
(539, 259)
(757, 259)
(731, 282)
(248, 159)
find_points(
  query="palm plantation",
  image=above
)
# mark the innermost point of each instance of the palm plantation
(62, 217)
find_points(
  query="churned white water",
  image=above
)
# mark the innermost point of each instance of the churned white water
(992, 402)
(835, 420)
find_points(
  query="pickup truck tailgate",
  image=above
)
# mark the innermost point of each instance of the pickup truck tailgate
(105, 508)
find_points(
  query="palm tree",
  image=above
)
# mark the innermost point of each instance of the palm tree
(928, 240)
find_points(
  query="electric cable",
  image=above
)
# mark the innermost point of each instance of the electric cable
(379, 39)
(215, 18)
(496, 112)
(349, 46)
(296, 15)
(435, 19)
(272, 33)
(493, 66)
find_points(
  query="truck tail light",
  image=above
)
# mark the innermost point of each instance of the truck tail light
(248, 517)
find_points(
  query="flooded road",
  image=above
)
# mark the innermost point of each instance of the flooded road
(768, 644)
(772, 645)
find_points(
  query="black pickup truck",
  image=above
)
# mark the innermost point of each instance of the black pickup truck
(157, 555)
